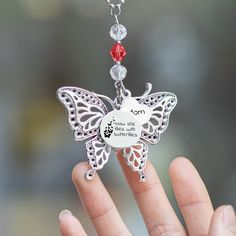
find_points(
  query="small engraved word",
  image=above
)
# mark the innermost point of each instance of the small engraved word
(138, 112)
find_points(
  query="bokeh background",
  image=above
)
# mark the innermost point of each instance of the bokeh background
(183, 46)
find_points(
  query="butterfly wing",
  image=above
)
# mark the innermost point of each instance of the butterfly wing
(136, 157)
(85, 111)
(98, 152)
(162, 104)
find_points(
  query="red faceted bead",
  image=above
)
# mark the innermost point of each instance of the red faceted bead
(118, 52)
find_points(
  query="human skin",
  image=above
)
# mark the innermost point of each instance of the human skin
(190, 192)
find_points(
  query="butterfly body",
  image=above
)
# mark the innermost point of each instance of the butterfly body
(129, 126)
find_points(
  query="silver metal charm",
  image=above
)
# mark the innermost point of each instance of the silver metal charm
(121, 128)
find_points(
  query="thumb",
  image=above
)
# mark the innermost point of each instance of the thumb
(223, 222)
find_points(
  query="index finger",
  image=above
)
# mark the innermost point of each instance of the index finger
(153, 203)
(98, 203)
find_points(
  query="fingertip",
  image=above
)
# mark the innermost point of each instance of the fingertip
(220, 209)
(229, 218)
(184, 176)
(67, 220)
(179, 166)
(180, 159)
(223, 221)
(79, 172)
(178, 162)
(69, 224)
(64, 213)
(217, 214)
(88, 190)
(79, 175)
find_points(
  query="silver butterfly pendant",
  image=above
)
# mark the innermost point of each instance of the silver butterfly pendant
(130, 125)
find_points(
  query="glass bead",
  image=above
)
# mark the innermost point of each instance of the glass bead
(118, 72)
(118, 32)
(118, 52)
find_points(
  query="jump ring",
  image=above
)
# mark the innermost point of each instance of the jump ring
(116, 10)
(118, 2)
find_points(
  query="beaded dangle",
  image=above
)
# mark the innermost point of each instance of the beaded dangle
(128, 124)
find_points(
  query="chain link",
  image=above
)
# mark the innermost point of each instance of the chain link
(122, 92)
(118, 86)
(116, 3)
(116, 11)
(115, 7)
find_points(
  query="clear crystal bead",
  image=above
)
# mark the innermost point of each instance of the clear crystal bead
(118, 72)
(118, 32)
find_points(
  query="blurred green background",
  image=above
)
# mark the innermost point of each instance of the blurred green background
(182, 46)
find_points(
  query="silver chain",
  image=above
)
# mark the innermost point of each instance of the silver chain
(116, 4)
(115, 7)
(121, 91)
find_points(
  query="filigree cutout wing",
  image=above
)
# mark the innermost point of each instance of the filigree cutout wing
(162, 104)
(85, 111)
(98, 152)
(136, 156)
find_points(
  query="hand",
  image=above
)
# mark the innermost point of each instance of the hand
(159, 216)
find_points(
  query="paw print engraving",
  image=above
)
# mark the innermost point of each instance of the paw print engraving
(109, 129)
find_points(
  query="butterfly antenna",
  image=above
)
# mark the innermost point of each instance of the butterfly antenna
(147, 91)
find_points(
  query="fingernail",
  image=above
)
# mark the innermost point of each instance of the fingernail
(63, 213)
(229, 217)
